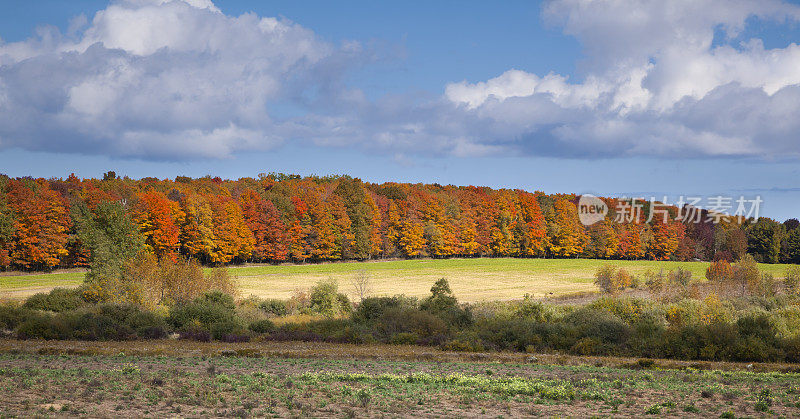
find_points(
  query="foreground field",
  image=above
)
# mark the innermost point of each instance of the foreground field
(37, 379)
(471, 279)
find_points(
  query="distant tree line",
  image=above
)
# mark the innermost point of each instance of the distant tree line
(50, 223)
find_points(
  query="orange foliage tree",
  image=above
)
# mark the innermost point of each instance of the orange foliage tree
(41, 225)
(158, 220)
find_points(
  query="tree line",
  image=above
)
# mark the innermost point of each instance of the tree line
(51, 223)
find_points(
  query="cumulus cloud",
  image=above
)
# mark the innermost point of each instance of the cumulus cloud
(176, 79)
(656, 83)
(163, 79)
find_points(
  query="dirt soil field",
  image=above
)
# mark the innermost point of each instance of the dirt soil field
(176, 378)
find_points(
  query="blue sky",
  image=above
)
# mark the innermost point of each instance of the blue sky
(680, 99)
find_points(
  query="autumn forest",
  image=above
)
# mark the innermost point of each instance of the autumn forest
(287, 218)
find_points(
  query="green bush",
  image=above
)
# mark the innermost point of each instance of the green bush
(711, 342)
(102, 322)
(759, 326)
(327, 330)
(443, 304)
(147, 325)
(752, 348)
(229, 330)
(11, 316)
(627, 309)
(206, 310)
(531, 309)
(648, 335)
(262, 326)
(57, 300)
(217, 298)
(599, 324)
(274, 306)
(791, 349)
(97, 325)
(429, 328)
(326, 300)
(464, 341)
(39, 326)
(372, 308)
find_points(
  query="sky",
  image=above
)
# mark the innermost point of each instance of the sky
(634, 98)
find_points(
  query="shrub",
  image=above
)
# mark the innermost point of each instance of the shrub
(57, 300)
(766, 287)
(656, 281)
(147, 325)
(531, 309)
(441, 299)
(713, 311)
(102, 322)
(713, 342)
(604, 326)
(791, 349)
(627, 309)
(759, 326)
(404, 338)
(792, 280)
(195, 331)
(648, 336)
(206, 310)
(462, 345)
(262, 326)
(612, 280)
(372, 308)
(587, 346)
(720, 270)
(98, 325)
(11, 316)
(325, 299)
(274, 307)
(746, 274)
(680, 277)
(604, 279)
(299, 302)
(443, 304)
(229, 330)
(752, 348)
(429, 328)
(40, 326)
(325, 330)
(624, 279)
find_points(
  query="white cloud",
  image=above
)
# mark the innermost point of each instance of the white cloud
(176, 79)
(650, 67)
(163, 79)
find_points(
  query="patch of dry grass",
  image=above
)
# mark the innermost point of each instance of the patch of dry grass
(472, 280)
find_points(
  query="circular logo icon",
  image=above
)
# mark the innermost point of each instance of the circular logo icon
(591, 209)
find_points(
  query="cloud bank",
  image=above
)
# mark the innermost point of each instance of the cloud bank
(178, 79)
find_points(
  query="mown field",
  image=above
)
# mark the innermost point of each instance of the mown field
(471, 279)
(92, 379)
